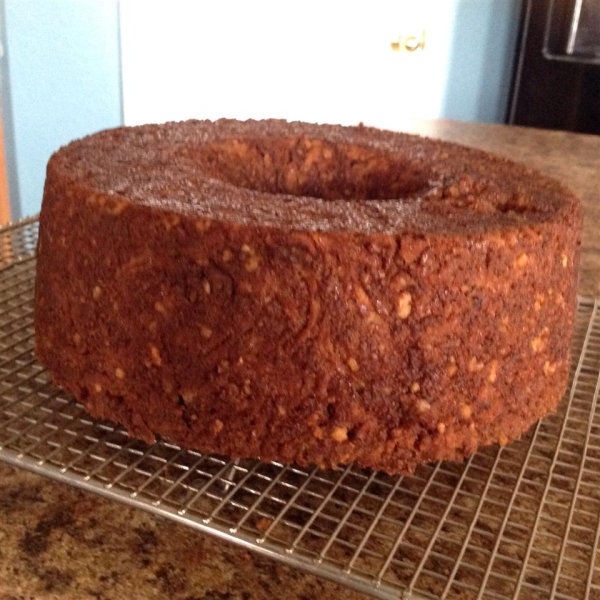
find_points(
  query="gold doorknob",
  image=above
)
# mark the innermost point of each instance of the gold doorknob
(409, 43)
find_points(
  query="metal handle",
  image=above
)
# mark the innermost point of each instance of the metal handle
(576, 39)
(573, 29)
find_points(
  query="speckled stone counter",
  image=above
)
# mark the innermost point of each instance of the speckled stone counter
(58, 542)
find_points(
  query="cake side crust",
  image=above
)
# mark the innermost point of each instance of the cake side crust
(324, 347)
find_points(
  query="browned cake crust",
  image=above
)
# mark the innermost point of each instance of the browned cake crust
(302, 293)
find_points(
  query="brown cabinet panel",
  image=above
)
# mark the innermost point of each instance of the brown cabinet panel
(4, 203)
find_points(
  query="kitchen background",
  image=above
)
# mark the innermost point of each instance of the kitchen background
(72, 67)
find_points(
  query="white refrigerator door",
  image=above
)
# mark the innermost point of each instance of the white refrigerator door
(380, 62)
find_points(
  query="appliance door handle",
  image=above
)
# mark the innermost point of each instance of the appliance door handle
(574, 26)
(584, 29)
(573, 37)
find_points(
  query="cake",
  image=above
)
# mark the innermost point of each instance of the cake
(303, 293)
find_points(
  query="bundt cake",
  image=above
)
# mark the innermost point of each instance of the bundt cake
(305, 293)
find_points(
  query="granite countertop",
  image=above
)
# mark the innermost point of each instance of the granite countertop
(58, 542)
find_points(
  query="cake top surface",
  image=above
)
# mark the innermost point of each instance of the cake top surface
(303, 177)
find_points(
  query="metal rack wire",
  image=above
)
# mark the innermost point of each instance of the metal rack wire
(522, 521)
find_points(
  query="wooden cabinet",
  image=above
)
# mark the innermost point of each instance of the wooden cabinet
(4, 203)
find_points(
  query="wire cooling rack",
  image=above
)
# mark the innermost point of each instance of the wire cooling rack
(522, 521)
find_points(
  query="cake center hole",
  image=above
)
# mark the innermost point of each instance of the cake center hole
(310, 167)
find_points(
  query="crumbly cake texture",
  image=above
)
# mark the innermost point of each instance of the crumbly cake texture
(305, 293)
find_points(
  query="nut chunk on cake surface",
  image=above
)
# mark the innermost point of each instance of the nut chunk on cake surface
(305, 293)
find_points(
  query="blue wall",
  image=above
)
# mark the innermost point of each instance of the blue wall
(481, 62)
(64, 72)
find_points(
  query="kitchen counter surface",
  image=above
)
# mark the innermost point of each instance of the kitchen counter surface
(58, 542)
